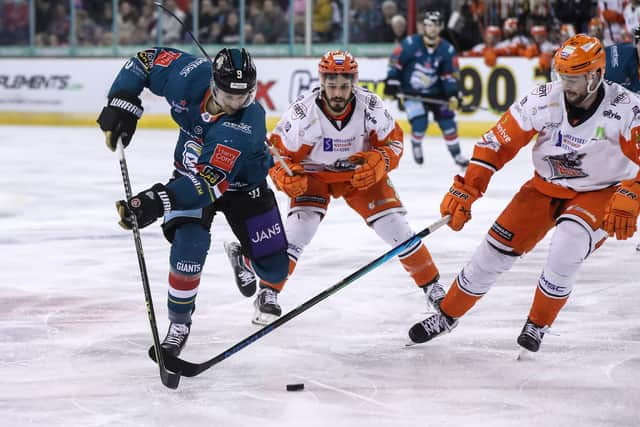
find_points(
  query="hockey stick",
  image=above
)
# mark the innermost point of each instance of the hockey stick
(189, 369)
(436, 101)
(169, 379)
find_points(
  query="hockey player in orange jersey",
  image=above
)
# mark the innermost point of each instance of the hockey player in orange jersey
(585, 184)
(340, 141)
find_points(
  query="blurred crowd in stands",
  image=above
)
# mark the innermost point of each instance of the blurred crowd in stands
(487, 28)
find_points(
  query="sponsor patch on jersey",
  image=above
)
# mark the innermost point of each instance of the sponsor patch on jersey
(242, 127)
(224, 157)
(211, 176)
(327, 144)
(266, 234)
(372, 101)
(299, 111)
(502, 232)
(612, 114)
(146, 58)
(165, 58)
(192, 66)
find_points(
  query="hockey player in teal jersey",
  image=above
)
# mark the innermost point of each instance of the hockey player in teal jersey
(622, 63)
(424, 65)
(221, 163)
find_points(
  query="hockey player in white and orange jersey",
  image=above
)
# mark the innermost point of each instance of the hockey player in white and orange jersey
(585, 184)
(340, 141)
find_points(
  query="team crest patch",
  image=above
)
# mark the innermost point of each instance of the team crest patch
(146, 58)
(565, 166)
(224, 157)
(165, 58)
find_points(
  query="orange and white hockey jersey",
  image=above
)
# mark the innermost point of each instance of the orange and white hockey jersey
(306, 135)
(597, 153)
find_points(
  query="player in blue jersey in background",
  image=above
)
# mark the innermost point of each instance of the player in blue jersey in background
(623, 66)
(426, 65)
(622, 63)
(221, 163)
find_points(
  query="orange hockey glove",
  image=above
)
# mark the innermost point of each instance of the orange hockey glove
(621, 214)
(294, 185)
(457, 202)
(372, 169)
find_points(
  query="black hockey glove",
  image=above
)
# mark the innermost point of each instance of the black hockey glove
(391, 88)
(119, 119)
(147, 206)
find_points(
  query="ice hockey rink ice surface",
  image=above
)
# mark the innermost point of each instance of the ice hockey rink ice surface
(75, 332)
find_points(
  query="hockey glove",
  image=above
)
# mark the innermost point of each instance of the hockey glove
(147, 206)
(372, 169)
(294, 185)
(391, 88)
(119, 119)
(453, 103)
(621, 214)
(457, 202)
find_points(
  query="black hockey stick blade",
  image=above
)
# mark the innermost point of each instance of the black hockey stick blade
(190, 369)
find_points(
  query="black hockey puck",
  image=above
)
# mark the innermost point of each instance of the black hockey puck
(295, 387)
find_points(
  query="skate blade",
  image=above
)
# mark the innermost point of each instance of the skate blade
(263, 319)
(524, 355)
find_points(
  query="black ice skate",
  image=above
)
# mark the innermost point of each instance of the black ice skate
(435, 293)
(176, 338)
(245, 279)
(416, 148)
(431, 327)
(266, 305)
(531, 336)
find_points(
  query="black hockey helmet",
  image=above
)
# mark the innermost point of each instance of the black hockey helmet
(433, 16)
(233, 72)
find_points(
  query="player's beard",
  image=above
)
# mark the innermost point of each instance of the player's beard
(574, 99)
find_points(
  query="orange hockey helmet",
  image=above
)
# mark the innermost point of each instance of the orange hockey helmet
(579, 54)
(338, 62)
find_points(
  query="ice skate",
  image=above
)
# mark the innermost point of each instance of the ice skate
(461, 161)
(176, 338)
(531, 336)
(245, 279)
(431, 327)
(267, 308)
(435, 293)
(416, 149)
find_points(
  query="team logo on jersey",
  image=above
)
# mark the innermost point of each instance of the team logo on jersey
(165, 58)
(565, 166)
(224, 157)
(146, 58)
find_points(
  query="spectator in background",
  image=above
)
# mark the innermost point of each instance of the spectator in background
(541, 48)
(230, 33)
(574, 12)
(170, 28)
(366, 22)
(322, 21)
(389, 10)
(59, 25)
(127, 21)
(487, 50)
(539, 13)
(86, 29)
(465, 26)
(399, 28)
(14, 22)
(271, 22)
